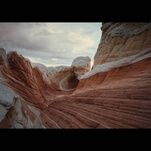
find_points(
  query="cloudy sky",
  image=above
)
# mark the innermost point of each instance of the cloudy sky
(51, 44)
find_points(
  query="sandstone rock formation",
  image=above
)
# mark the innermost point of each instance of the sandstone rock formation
(116, 93)
(32, 85)
(79, 67)
(65, 78)
(25, 80)
(22, 115)
(120, 40)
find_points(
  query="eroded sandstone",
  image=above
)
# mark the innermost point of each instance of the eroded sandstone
(120, 40)
(116, 93)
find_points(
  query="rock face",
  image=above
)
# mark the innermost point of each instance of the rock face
(116, 93)
(79, 67)
(25, 80)
(22, 115)
(25, 85)
(7, 96)
(121, 76)
(65, 78)
(120, 40)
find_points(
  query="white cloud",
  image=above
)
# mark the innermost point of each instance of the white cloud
(54, 59)
(51, 43)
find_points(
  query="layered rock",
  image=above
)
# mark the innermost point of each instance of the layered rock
(120, 40)
(65, 78)
(79, 67)
(113, 53)
(34, 85)
(62, 72)
(121, 76)
(116, 93)
(130, 81)
(119, 98)
(99, 74)
(89, 110)
(25, 80)
(22, 115)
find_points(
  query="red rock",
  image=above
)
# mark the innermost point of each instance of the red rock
(121, 40)
(116, 98)
(131, 79)
(27, 81)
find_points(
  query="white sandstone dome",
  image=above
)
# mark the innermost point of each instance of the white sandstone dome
(81, 65)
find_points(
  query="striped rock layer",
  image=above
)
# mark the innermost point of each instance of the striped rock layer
(116, 93)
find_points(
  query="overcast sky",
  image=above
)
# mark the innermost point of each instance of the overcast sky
(51, 44)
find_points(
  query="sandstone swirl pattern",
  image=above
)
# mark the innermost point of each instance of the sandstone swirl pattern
(116, 93)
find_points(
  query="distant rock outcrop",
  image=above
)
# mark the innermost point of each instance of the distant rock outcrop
(65, 78)
(79, 67)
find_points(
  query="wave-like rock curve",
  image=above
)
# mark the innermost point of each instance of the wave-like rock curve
(116, 93)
